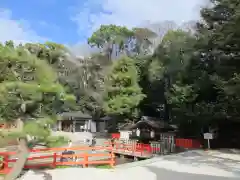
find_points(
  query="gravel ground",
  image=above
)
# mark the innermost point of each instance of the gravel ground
(194, 162)
(139, 173)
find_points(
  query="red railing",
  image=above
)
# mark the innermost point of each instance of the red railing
(53, 160)
(135, 147)
(187, 143)
(179, 142)
(115, 135)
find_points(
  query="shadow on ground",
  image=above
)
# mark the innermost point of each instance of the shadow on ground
(46, 176)
(196, 159)
(162, 174)
(42, 173)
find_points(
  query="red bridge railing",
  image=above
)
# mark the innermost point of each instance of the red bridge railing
(53, 159)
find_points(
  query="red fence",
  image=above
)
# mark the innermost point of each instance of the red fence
(53, 157)
(179, 142)
(135, 147)
(187, 143)
(52, 160)
(115, 135)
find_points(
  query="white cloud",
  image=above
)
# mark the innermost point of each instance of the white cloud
(16, 30)
(134, 12)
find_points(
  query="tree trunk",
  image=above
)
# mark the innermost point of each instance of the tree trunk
(19, 164)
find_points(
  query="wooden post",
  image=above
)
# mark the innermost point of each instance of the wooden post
(74, 126)
(112, 163)
(5, 163)
(54, 160)
(85, 161)
(59, 125)
(133, 148)
(115, 145)
(149, 149)
(135, 158)
(208, 140)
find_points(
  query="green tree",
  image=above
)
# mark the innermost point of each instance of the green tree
(143, 41)
(123, 93)
(109, 36)
(208, 90)
(30, 92)
(52, 52)
(119, 40)
(164, 68)
(85, 79)
(28, 85)
(220, 54)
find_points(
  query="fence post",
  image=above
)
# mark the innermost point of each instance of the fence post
(5, 164)
(142, 149)
(173, 144)
(54, 160)
(85, 161)
(152, 148)
(116, 146)
(134, 148)
(112, 163)
(162, 148)
(149, 149)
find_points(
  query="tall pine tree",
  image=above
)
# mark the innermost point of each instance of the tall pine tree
(123, 93)
(220, 53)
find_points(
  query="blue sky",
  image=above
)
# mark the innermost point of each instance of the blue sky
(49, 18)
(72, 21)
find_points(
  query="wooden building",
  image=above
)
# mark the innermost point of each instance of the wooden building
(148, 129)
(126, 131)
(75, 122)
(80, 122)
(103, 124)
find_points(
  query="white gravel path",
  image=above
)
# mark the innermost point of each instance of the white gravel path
(138, 173)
